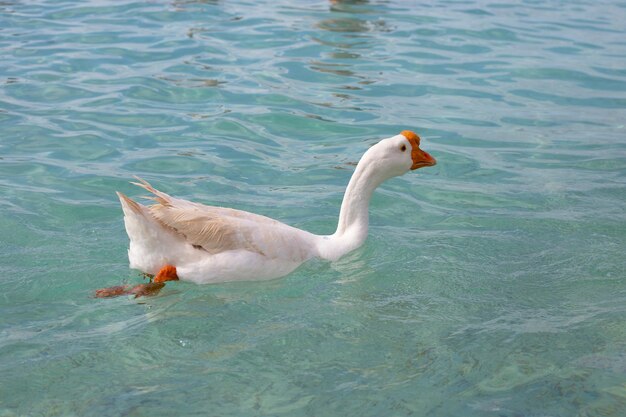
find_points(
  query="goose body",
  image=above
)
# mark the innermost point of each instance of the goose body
(207, 244)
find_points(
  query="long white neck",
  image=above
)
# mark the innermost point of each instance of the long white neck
(353, 216)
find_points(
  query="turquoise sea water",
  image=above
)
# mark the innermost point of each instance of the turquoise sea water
(491, 285)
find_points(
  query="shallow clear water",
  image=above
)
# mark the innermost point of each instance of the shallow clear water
(491, 284)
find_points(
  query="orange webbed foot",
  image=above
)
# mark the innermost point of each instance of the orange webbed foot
(140, 290)
(146, 290)
(111, 291)
(167, 273)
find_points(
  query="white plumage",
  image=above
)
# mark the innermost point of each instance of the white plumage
(209, 244)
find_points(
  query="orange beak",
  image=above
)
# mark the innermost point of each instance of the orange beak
(420, 158)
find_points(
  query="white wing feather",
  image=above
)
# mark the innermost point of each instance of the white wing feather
(219, 229)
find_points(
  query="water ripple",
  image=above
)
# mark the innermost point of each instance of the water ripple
(491, 284)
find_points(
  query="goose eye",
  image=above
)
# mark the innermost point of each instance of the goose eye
(403, 148)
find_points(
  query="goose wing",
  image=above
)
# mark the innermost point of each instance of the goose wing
(219, 229)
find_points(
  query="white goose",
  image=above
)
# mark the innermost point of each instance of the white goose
(179, 239)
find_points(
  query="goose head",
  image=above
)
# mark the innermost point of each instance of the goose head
(397, 155)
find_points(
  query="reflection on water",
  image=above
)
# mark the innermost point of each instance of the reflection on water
(351, 34)
(332, 68)
(353, 25)
(181, 5)
(349, 6)
(194, 82)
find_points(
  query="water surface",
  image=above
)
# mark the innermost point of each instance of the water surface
(491, 284)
